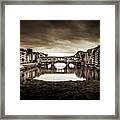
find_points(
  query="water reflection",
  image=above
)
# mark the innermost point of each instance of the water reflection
(83, 73)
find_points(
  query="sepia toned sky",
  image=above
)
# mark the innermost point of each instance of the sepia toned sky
(59, 36)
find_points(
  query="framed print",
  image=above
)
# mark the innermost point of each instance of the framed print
(59, 59)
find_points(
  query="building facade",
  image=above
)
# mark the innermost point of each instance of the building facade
(93, 56)
(28, 56)
(23, 56)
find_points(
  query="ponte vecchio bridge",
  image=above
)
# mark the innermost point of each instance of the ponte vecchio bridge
(67, 60)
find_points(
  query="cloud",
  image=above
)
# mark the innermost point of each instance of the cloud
(63, 35)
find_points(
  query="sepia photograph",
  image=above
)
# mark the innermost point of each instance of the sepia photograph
(59, 59)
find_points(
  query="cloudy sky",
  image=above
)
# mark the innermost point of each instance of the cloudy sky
(59, 36)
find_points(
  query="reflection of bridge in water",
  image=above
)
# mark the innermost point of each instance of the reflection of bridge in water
(84, 72)
(45, 61)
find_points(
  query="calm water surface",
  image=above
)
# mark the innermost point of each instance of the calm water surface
(61, 73)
